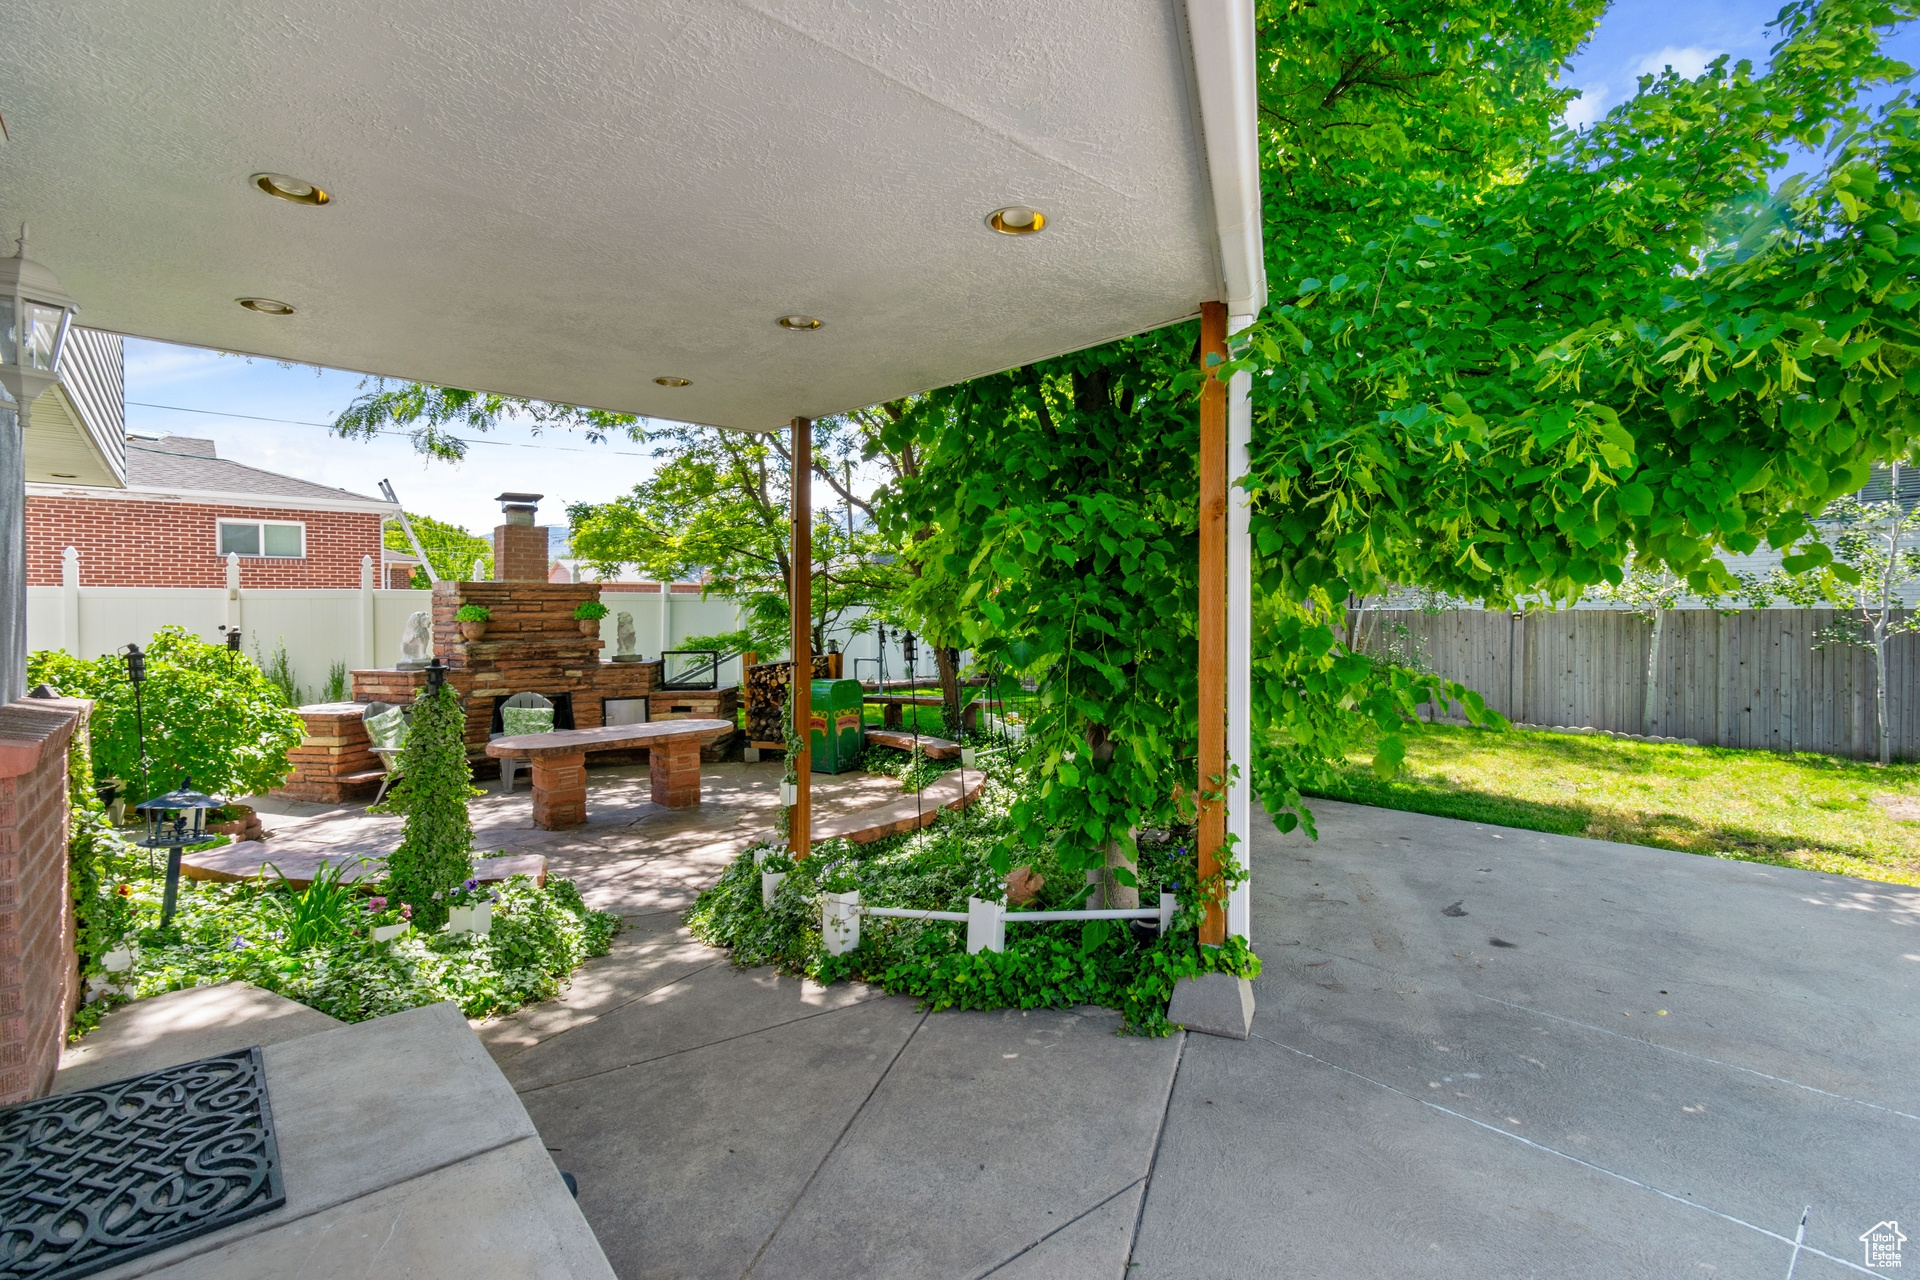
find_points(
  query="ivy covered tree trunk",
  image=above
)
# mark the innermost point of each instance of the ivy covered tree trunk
(1117, 884)
(948, 661)
(436, 841)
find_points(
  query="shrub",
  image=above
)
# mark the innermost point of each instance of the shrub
(279, 672)
(589, 611)
(336, 682)
(208, 713)
(436, 841)
(1045, 965)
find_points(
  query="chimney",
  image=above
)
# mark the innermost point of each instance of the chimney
(519, 545)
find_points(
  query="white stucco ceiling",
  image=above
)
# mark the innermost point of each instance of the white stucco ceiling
(566, 200)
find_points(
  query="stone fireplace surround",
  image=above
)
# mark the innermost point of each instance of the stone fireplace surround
(532, 644)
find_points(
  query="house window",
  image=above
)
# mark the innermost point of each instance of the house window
(281, 538)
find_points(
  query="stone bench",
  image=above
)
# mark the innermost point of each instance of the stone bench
(560, 763)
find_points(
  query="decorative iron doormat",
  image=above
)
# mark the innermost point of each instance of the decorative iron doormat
(92, 1178)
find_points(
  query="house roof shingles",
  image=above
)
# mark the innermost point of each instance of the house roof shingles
(188, 464)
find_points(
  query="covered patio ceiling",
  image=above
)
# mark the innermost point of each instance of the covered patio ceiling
(567, 201)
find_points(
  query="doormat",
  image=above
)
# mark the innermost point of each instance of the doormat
(92, 1178)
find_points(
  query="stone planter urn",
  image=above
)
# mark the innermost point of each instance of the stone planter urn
(590, 627)
(472, 631)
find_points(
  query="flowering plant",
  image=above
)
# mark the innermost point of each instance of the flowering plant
(472, 894)
(382, 910)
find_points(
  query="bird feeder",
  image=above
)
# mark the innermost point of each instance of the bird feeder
(175, 821)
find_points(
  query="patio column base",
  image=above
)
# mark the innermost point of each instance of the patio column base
(675, 768)
(560, 789)
(1217, 1004)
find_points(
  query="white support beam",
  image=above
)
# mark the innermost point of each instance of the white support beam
(1240, 799)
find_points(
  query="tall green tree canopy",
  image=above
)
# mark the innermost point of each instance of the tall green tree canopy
(450, 548)
(1502, 357)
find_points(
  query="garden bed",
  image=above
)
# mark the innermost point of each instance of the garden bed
(1057, 965)
(244, 932)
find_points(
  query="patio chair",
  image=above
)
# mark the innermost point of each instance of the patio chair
(386, 725)
(522, 713)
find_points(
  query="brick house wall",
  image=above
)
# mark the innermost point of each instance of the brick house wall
(39, 973)
(129, 543)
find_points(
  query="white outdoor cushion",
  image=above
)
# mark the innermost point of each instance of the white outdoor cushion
(515, 721)
(388, 729)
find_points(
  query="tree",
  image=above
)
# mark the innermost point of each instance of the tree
(1503, 358)
(451, 549)
(1863, 583)
(204, 712)
(435, 853)
(1649, 595)
(718, 505)
(430, 414)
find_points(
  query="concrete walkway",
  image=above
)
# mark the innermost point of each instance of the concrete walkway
(1459, 1069)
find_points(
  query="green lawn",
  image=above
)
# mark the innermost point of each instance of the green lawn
(1801, 810)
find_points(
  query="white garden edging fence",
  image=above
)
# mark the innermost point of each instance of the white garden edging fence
(986, 921)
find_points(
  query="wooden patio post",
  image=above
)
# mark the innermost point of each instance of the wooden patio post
(800, 821)
(1213, 611)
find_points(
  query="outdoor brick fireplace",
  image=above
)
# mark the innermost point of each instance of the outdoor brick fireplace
(532, 645)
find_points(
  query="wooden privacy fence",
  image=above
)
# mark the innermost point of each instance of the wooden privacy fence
(1745, 679)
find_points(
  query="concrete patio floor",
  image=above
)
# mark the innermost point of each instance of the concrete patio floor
(1458, 1068)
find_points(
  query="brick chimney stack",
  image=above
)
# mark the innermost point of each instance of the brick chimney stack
(519, 545)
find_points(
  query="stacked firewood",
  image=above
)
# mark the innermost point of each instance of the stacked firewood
(767, 696)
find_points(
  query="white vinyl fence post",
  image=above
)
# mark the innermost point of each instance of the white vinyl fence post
(233, 590)
(986, 926)
(70, 602)
(1167, 903)
(365, 656)
(840, 921)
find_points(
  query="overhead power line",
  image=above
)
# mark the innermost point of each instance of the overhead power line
(328, 426)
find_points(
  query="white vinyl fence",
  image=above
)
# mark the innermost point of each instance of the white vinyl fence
(318, 627)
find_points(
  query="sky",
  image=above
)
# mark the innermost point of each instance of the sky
(273, 417)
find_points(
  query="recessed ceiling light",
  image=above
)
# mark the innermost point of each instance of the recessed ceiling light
(266, 306)
(674, 382)
(1017, 220)
(297, 190)
(64, 475)
(799, 324)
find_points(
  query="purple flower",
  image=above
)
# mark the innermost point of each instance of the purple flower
(406, 911)
(377, 903)
(436, 895)
(241, 944)
(470, 885)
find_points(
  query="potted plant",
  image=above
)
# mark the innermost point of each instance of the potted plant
(473, 620)
(470, 909)
(774, 867)
(388, 922)
(588, 614)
